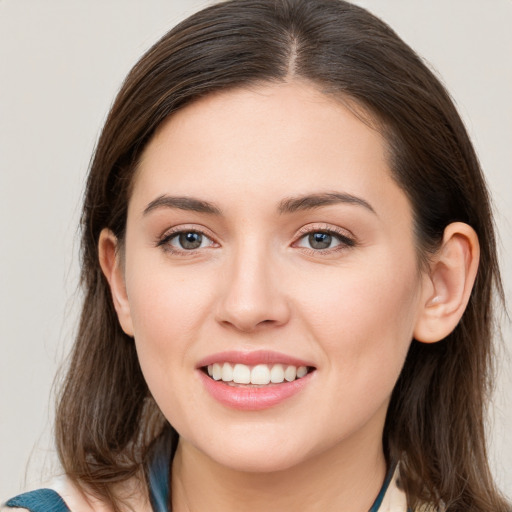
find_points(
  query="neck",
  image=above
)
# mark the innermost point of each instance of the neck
(346, 477)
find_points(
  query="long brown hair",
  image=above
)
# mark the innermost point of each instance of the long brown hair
(106, 418)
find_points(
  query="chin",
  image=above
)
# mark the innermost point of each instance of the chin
(259, 462)
(254, 454)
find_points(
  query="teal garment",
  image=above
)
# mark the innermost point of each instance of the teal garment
(378, 500)
(42, 500)
(47, 500)
(159, 471)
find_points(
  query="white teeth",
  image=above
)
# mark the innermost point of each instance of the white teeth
(301, 371)
(290, 373)
(241, 374)
(277, 374)
(227, 372)
(260, 374)
(217, 371)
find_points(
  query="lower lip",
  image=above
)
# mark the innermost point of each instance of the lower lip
(252, 398)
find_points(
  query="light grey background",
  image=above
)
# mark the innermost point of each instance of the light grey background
(61, 63)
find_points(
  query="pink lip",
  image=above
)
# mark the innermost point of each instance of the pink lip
(252, 358)
(247, 398)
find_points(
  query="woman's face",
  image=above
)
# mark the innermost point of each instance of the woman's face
(266, 236)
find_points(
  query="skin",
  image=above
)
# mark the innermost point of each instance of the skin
(256, 284)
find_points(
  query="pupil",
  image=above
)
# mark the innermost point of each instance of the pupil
(320, 240)
(190, 240)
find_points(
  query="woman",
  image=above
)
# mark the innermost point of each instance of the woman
(288, 264)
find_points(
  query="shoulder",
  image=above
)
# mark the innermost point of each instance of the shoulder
(65, 495)
(39, 500)
(395, 499)
(61, 495)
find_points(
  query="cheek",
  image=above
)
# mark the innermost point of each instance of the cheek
(364, 325)
(364, 319)
(168, 312)
(165, 299)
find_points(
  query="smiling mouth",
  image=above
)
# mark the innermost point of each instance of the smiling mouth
(255, 376)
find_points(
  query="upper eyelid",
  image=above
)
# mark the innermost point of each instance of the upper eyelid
(314, 228)
(192, 228)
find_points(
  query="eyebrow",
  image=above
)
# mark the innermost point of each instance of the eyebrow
(288, 205)
(312, 201)
(182, 203)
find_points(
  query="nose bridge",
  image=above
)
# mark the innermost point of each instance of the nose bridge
(252, 293)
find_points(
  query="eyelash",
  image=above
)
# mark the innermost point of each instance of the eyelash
(164, 242)
(345, 242)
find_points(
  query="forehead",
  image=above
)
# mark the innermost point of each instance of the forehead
(283, 111)
(265, 141)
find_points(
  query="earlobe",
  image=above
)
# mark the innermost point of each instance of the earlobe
(450, 281)
(108, 254)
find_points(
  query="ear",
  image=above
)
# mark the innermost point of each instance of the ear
(108, 253)
(448, 284)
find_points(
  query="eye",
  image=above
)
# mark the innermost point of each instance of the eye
(185, 241)
(321, 240)
(324, 240)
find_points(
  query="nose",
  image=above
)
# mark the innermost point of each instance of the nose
(251, 294)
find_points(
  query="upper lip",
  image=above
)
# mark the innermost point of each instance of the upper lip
(252, 358)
